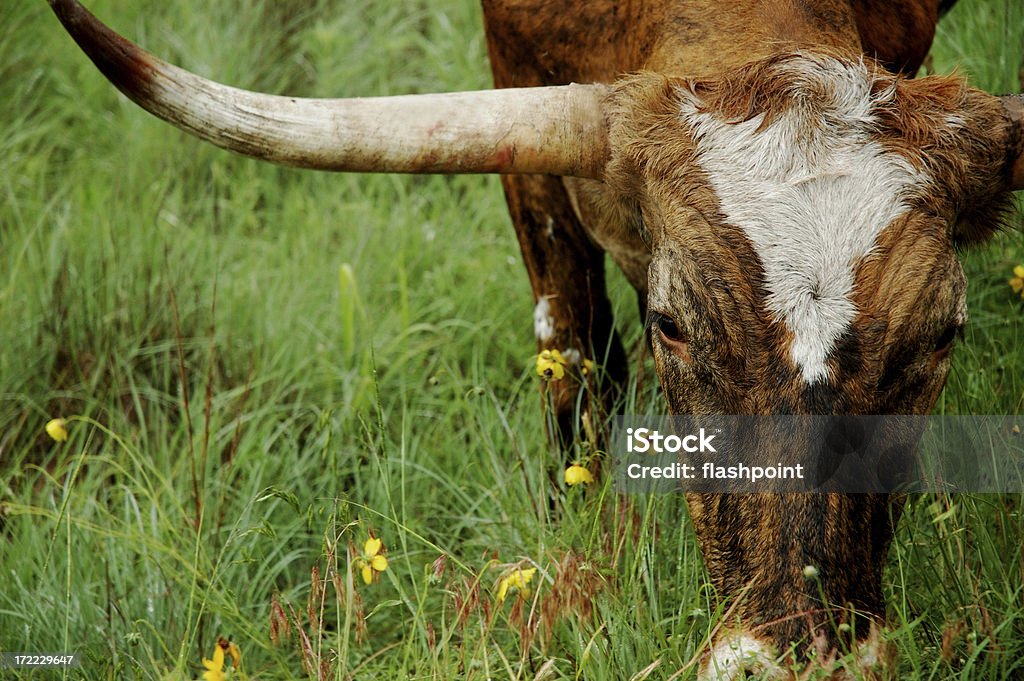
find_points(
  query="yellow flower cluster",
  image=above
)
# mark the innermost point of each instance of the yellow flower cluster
(551, 365)
(215, 667)
(372, 561)
(518, 580)
(57, 429)
(1017, 282)
(576, 474)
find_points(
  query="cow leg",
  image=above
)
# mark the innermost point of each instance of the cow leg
(572, 313)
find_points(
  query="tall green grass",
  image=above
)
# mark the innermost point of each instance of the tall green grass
(265, 365)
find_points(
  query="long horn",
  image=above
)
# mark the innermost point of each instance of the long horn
(553, 130)
(1013, 107)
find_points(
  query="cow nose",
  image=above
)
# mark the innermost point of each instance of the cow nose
(740, 655)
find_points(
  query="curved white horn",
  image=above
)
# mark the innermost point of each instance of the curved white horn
(553, 130)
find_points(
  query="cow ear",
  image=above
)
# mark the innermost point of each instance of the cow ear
(959, 138)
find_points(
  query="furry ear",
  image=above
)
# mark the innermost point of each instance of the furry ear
(964, 139)
(1013, 109)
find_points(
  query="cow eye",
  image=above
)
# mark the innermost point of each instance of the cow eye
(667, 328)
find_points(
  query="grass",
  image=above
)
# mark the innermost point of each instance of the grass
(265, 365)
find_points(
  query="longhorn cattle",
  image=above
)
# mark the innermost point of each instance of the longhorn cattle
(784, 197)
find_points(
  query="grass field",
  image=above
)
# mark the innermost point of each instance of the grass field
(261, 366)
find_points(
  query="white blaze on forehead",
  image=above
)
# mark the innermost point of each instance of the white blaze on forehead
(811, 191)
(543, 322)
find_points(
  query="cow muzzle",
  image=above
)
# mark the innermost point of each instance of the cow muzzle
(801, 579)
(745, 653)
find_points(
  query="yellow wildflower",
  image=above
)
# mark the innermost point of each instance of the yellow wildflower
(517, 580)
(372, 561)
(588, 366)
(575, 474)
(551, 365)
(215, 667)
(1017, 282)
(57, 429)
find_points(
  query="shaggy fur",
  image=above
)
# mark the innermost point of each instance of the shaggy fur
(788, 204)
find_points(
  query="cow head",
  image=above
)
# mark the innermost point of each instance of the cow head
(802, 216)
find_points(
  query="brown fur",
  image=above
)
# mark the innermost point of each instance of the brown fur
(656, 206)
(897, 34)
(910, 292)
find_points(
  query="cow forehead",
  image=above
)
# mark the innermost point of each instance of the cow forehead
(812, 188)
